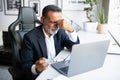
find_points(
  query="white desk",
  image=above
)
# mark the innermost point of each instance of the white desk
(109, 71)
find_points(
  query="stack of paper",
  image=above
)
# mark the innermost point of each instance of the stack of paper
(61, 77)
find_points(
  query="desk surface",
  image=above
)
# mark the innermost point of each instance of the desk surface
(109, 71)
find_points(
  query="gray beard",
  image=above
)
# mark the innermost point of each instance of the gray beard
(50, 30)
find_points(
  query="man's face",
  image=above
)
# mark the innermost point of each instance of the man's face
(50, 22)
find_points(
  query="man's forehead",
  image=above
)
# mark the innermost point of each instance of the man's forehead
(54, 14)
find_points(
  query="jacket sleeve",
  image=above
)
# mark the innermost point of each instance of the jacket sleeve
(27, 56)
(66, 40)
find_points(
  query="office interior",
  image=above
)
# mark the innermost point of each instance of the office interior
(75, 13)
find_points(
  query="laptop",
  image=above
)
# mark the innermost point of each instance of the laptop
(84, 57)
(115, 43)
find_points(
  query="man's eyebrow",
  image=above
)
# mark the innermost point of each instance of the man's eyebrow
(60, 20)
(53, 21)
(56, 21)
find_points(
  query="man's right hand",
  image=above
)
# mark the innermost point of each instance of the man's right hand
(41, 65)
(65, 25)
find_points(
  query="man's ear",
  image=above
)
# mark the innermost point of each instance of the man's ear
(42, 19)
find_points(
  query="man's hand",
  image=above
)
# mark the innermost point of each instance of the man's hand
(41, 65)
(65, 25)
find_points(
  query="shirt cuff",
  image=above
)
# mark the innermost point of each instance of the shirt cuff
(72, 36)
(33, 70)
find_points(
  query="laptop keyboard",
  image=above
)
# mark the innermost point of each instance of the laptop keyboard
(64, 69)
(62, 66)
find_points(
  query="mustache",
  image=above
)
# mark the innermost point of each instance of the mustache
(54, 28)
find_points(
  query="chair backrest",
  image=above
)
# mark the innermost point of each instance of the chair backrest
(25, 22)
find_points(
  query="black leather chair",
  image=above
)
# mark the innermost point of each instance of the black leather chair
(26, 21)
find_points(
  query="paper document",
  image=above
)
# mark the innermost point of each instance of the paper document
(61, 77)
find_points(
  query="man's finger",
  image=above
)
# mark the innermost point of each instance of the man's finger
(60, 21)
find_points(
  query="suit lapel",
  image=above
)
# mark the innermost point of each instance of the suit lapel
(42, 43)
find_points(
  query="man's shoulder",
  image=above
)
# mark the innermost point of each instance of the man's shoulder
(35, 30)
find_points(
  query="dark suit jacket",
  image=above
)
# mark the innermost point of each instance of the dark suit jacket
(34, 47)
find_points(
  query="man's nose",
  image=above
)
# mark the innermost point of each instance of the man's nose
(55, 24)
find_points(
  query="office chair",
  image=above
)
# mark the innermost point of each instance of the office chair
(25, 22)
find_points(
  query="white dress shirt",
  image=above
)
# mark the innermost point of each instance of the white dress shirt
(51, 48)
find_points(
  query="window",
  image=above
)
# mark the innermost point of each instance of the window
(114, 12)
